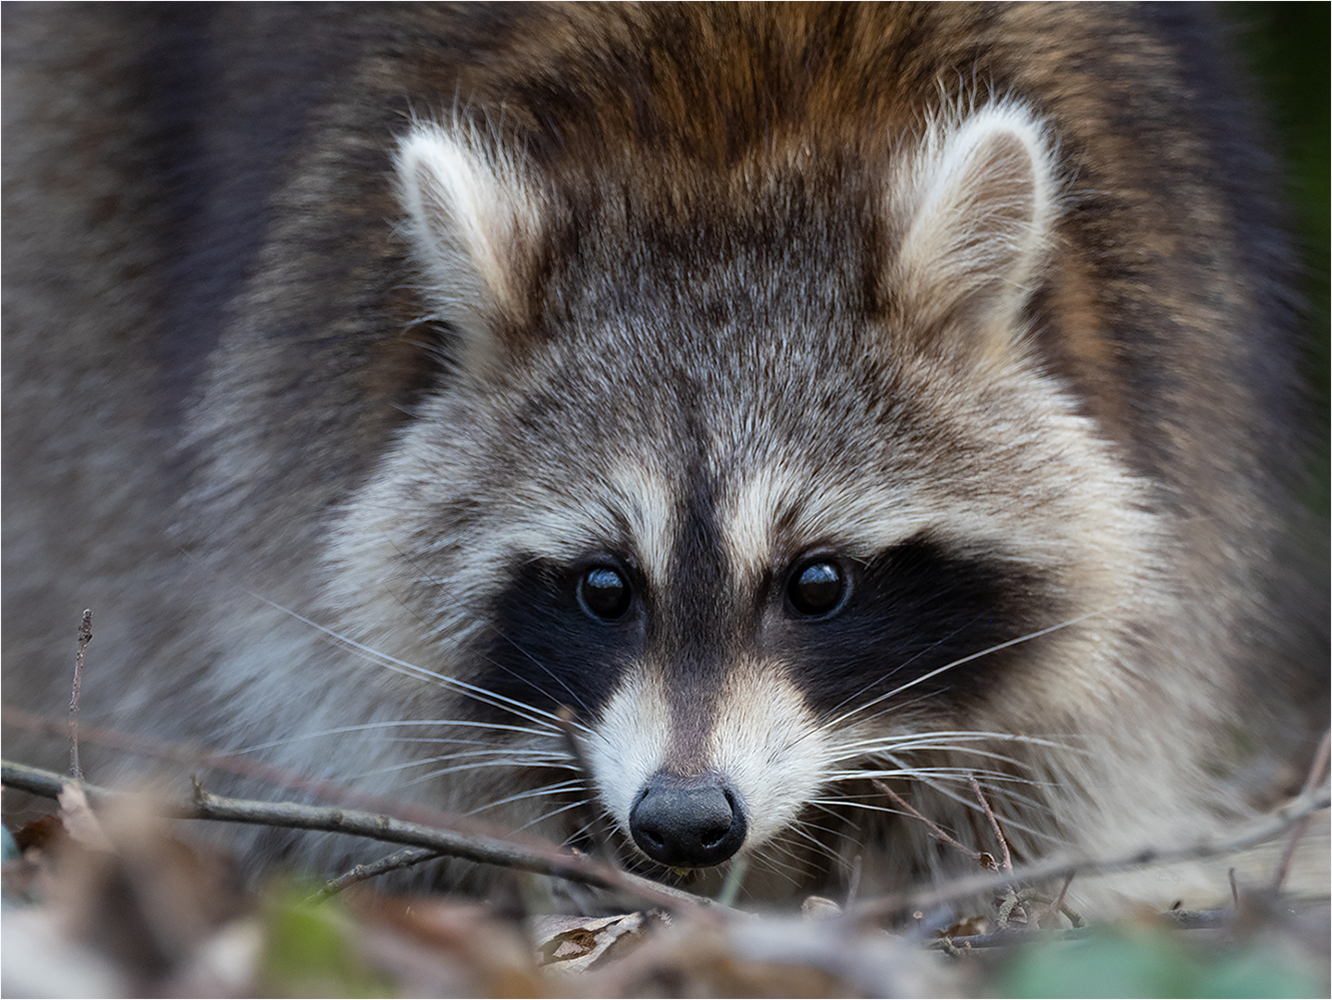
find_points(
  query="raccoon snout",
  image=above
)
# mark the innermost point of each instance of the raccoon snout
(687, 821)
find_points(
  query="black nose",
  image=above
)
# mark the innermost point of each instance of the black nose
(687, 821)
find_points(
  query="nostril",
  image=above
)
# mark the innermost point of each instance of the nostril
(693, 821)
(649, 837)
(714, 829)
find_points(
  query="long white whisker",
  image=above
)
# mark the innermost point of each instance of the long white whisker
(534, 715)
(901, 666)
(961, 773)
(558, 810)
(834, 723)
(459, 606)
(486, 758)
(929, 740)
(855, 803)
(572, 784)
(820, 847)
(368, 726)
(791, 869)
(971, 804)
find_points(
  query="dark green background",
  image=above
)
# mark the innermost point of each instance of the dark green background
(1287, 48)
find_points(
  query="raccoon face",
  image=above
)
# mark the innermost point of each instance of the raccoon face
(775, 499)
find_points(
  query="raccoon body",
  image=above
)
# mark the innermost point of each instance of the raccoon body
(822, 403)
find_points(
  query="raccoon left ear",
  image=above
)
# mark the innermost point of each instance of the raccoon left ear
(474, 217)
(977, 206)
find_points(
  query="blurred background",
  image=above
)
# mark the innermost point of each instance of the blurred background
(1287, 48)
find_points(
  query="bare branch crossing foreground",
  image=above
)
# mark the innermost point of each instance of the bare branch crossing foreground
(1267, 827)
(377, 826)
(578, 868)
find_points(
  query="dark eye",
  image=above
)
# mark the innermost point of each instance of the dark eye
(816, 588)
(604, 593)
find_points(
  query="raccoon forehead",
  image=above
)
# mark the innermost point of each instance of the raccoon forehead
(629, 508)
(989, 499)
(778, 506)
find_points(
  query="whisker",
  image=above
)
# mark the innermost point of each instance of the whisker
(507, 760)
(906, 771)
(990, 779)
(459, 606)
(850, 802)
(369, 726)
(901, 666)
(556, 788)
(927, 741)
(791, 869)
(820, 847)
(553, 812)
(1009, 820)
(534, 715)
(839, 720)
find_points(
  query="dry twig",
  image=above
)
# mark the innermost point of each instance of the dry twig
(1317, 772)
(938, 832)
(1007, 863)
(541, 859)
(85, 637)
(398, 860)
(1265, 828)
(238, 763)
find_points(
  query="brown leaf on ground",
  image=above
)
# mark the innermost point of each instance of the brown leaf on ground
(578, 944)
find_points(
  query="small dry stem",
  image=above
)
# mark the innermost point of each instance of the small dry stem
(1317, 774)
(85, 637)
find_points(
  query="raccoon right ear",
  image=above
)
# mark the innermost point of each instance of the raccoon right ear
(977, 206)
(473, 218)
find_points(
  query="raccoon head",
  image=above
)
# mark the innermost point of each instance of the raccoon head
(753, 468)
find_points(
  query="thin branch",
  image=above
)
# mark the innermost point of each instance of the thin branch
(405, 858)
(1317, 772)
(935, 829)
(1265, 828)
(239, 763)
(1059, 906)
(1007, 864)
(85, 637)
(544, 860)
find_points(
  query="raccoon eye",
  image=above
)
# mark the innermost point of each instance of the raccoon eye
(816, 588)
(604, 593)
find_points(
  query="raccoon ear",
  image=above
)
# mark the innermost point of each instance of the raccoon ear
(473, 219)
(977, 206)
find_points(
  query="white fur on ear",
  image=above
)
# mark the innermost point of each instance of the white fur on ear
(473, 219)
(978, 204)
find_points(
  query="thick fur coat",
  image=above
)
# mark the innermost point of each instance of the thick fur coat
(818, 401)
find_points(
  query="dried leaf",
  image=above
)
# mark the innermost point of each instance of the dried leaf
(80, 822)
(41, 834)
(576, 944)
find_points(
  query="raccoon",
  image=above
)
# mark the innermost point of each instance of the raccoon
(831, 409)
